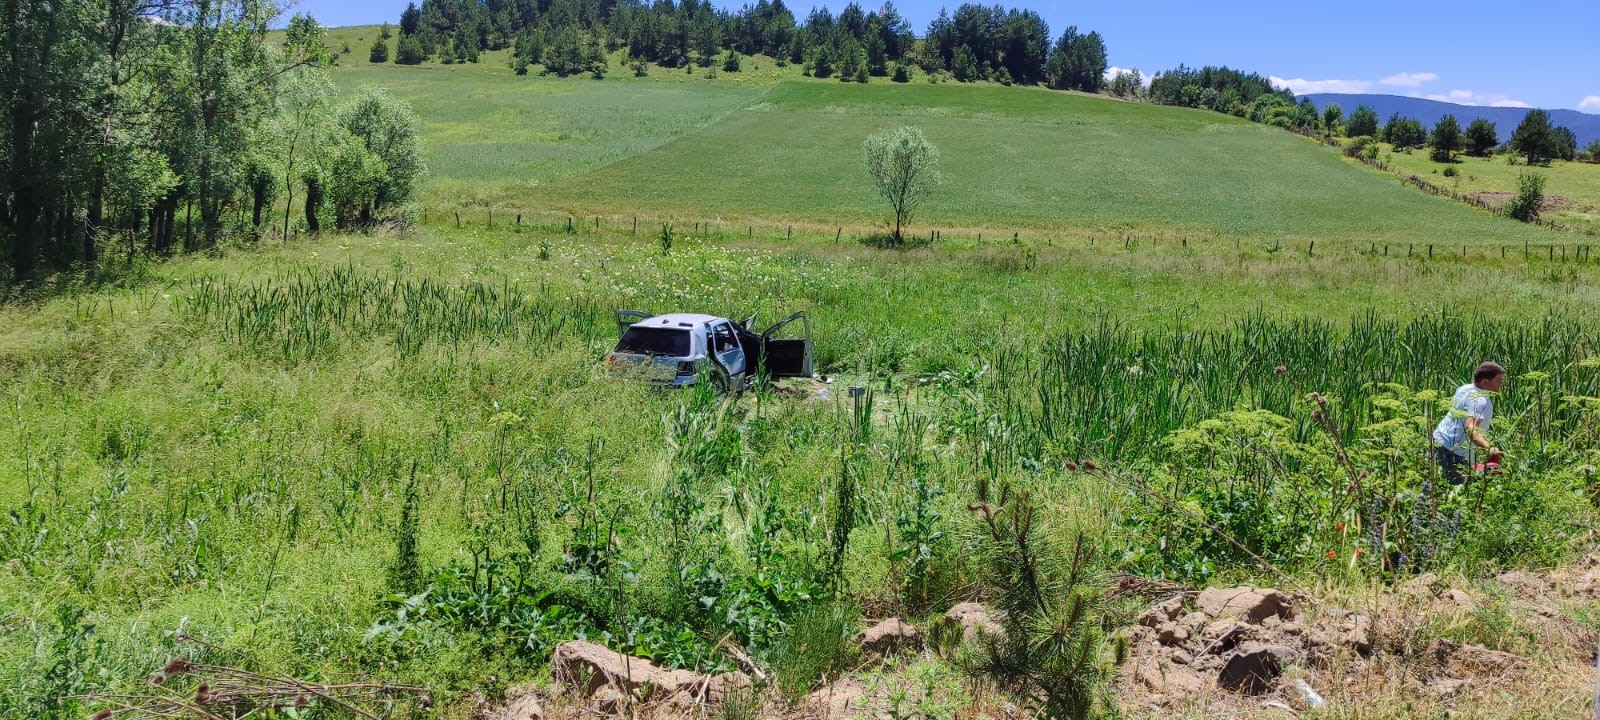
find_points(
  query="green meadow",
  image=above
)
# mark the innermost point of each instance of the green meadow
(397, 456)
(1573, 187)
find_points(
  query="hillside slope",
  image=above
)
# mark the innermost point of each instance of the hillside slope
(1026, 159)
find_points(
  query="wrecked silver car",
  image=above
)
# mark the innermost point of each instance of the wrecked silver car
(678, 349)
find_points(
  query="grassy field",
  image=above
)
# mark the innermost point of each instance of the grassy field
(225, 444)
(1576, 184)
(398, 457)
(679, 145)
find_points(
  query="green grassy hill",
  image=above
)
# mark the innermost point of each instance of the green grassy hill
(1022, 158)
(769, 145)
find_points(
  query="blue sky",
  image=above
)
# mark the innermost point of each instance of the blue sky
(1470, 52)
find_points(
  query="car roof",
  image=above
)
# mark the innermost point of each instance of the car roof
(678, 320)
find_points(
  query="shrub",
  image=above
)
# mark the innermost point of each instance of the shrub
(903, 74)
(1357, 146)
(1051, 603)
(1530, 197)
(380, 52)
(816, 648)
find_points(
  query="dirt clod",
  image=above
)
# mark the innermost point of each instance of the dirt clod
(889, 636)
(1255, 668)
(1244, 603)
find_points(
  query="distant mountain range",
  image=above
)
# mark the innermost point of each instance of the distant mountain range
(1585, 126)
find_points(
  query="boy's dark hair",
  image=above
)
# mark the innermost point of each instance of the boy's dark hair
(1487, 371)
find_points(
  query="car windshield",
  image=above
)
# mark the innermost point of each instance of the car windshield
(672, 342)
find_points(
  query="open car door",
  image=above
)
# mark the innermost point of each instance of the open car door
(789, 356)
(626, 319)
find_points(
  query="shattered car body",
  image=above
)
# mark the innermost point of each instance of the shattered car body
(677, 349)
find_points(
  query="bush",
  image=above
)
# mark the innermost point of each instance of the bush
(1357, 146)
(380, 52)
(1051, 608)
(1530, 197)
(815, 650)
(410, 51)
(903, 74)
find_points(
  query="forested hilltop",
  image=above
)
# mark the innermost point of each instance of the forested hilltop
(570, 36)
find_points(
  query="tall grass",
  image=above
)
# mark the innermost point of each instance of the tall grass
(1115, 392)
(299, 316)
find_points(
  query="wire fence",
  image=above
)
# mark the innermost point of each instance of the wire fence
(725, 230)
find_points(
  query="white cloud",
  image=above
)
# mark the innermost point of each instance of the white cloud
(1590, 104)
(1467, 97)
(1302, 86)
(1113, 71)
(1406, 79)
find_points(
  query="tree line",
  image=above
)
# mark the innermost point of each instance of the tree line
(1251, 96)
(1535, 139)
(976, 42)
(167, 125)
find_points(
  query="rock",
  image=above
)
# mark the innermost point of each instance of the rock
(1181, 657)
(719, 686)
(1460, 599)
(521, 704)
(1163, 613)
(1243, 603)
(1255, 667)
(1193, 620)
(847, 698)
(609, 701)
(1446, 688)
(1139, 635)
(1171, 633)
(1221, 635)
(889, 636)
(591, 668)
(1526, 584)
(1169, 679)
(596, 667)
(1473, 660)
(1424, 584)
(975, 622)
(1356, 634)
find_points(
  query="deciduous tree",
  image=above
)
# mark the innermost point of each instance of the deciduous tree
(904, 170)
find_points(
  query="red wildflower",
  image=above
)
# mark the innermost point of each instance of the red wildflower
(1332, 555)
(1339, 527)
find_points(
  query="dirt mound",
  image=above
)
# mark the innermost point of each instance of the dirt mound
(1499, 200)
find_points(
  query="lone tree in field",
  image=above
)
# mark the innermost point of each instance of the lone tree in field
(902, 164)
(1534, 138)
